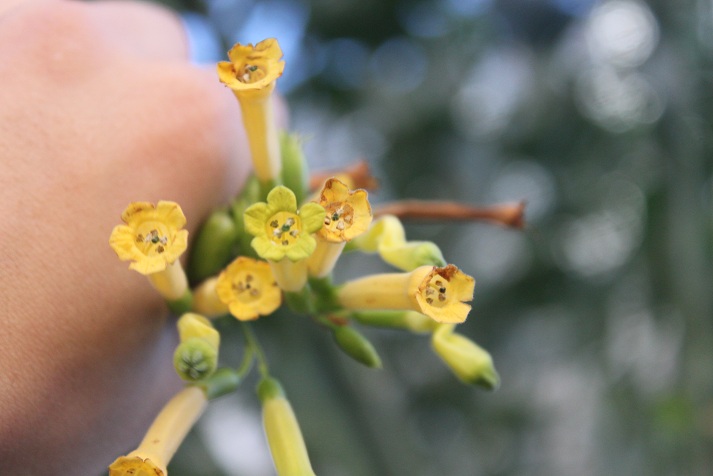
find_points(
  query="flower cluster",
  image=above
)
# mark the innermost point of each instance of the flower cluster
(275, 246)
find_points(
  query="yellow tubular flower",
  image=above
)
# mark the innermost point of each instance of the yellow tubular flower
(287, 446)
(163, 437)
(348, 214)
(248, 288)
(468, 361)
(387, 237)
(438, 292)
(153, 239)
(251, 74)
(206, 300)
(282, 235)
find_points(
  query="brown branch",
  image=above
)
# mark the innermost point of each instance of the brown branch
(506, 214)
(359, 173)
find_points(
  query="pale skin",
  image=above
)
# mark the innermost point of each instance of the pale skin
(99, 107)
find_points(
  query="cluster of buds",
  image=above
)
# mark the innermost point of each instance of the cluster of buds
(276, 246)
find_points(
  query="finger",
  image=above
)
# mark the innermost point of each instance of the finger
(146, 30)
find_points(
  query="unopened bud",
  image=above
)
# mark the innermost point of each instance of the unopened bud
(356, 346)
(289, 453)
(295, 173)
(468, 361)
(213, 247)
(195, 359)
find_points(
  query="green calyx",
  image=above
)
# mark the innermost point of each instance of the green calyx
(269, 388)
(195, 359)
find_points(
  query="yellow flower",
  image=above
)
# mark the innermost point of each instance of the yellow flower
(438, 292)
(388, 237)
(469, 362)
(251, 74)
(280, 230)
(249, 289)
(152, 237)
(163, 437)
(348, 214)
(252, 69)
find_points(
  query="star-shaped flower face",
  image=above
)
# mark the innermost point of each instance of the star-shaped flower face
(152, 237)
(252, 68)
(249, 289)
(280, 229)
(348, 213)
(442, 292)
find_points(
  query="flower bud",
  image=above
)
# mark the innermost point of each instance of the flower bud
(468, 361)
(195, 359)
(295, 174)
(356, 346)
(194, 325)
(213, 247)
(289, 453)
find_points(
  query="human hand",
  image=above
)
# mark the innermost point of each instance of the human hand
(100, 107)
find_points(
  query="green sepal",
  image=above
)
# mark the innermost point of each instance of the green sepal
(195, 359)
(326, 296)
(396, 319)
(358, 347)
(222, 382)
(269, 388)
(295, 173)
(214, 246)
(181, 305)
(300, 301)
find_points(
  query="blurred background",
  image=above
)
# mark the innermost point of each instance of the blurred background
(599, 315)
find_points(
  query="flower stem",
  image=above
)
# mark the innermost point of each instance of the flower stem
(253, 343)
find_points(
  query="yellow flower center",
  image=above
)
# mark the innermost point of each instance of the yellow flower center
(284, 228)
(246, 287)
(249, 73)
(437, 292)
(340, 216)
(151, 238)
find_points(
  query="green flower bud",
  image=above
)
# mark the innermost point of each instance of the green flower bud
(195, 359)
(295, 173)
(356, 346)
(214, 246)
(222, 382)
(469, 362)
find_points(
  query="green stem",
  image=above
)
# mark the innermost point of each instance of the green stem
(253, 343)
(247, 363)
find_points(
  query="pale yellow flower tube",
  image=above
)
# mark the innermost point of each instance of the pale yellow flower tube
(163, 438)
(287, 446)
(171, 283)
(290, 276)
(206, 300)
(259, 122)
